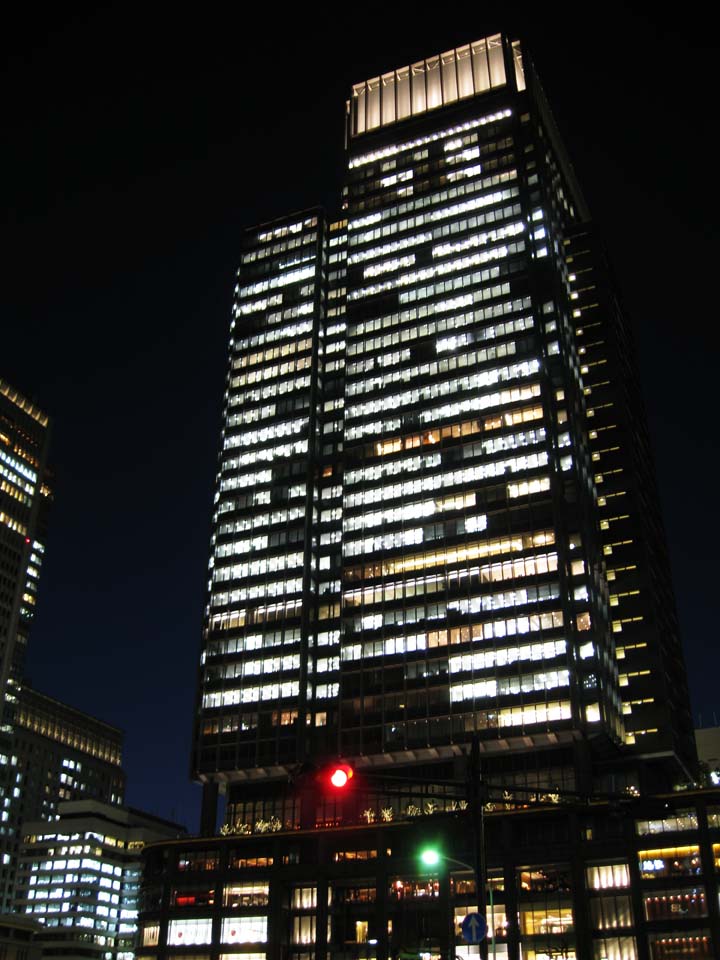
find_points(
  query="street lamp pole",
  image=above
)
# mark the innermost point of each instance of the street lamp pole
(432, 857)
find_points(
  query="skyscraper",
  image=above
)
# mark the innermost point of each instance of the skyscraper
(24, 501)
(49, 751)
(411, 547)
(24, 496)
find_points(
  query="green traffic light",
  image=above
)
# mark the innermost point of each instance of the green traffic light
(430, 857)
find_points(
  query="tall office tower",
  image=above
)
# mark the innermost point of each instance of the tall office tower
(263, 596)
(24, 501)
(407, 553)
(24, 498)
(472, 596)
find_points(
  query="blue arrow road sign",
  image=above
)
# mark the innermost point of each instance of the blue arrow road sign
(474, 928)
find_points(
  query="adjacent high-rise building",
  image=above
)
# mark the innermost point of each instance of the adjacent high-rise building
(435, 520)
(49, 752)
(24, 498)
(24, 502)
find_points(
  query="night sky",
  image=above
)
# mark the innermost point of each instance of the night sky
(139, 141)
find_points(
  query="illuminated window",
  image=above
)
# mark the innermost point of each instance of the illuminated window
(670, 862)
(675, 904)
(244, 929)
(182, 932)
(246, 895)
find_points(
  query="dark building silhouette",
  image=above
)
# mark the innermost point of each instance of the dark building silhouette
(648, 649)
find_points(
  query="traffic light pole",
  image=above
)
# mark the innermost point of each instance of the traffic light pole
(476, 798)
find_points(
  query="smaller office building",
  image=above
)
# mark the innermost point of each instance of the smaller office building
(64, 754)
(56, 753)
(79, 876)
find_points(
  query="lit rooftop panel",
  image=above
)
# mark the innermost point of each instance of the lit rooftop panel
(428, 84)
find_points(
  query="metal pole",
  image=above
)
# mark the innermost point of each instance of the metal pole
(478, 818)
(492, 920)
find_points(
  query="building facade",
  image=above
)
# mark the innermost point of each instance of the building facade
(627, 879)
(56, 753)
(65, 754)
(24, 501)
(414, 546)
(18, 937)
(80, 877)
(648, 649)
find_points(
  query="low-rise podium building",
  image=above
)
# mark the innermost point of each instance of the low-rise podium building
(627, 879)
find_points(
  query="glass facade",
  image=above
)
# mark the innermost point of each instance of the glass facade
(408, 551)
(263, 582)
(468, 599)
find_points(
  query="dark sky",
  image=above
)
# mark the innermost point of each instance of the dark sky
(138, 143)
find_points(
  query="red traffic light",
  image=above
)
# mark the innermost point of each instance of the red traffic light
(340, 775)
